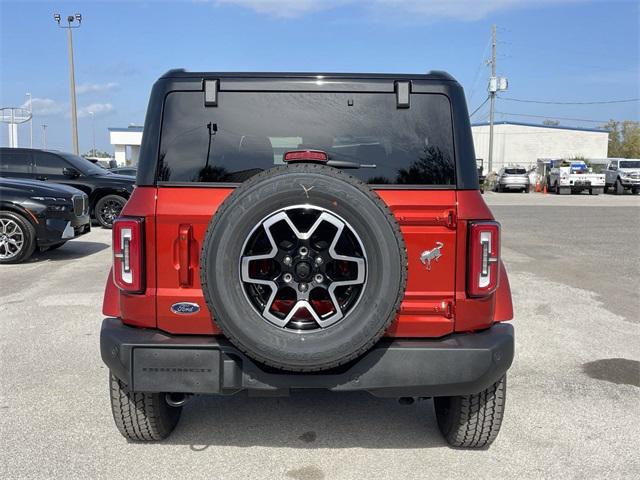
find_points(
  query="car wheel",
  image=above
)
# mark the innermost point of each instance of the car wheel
(618, 187)
(472, 421)
(17, 238)
(108, 208)
(141, 416)
(308, 250)
(635, 191)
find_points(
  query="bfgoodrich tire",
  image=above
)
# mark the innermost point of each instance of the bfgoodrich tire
(141, 416)
(472, 421)
(326, 200)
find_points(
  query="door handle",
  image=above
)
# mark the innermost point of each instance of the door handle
(184, 257)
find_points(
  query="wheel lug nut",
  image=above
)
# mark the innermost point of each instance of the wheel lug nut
(287, 260)
(318, 278)
(303, 251)
(287, 277)
(302, 287)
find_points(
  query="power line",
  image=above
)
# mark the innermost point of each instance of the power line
(550, 117)
(479, 107)
(544, 102)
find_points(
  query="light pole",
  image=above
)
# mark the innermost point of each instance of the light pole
(30, 121)
(72, 81)
(44, 136)
(93, 133)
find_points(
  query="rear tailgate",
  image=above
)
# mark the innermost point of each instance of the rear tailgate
(427, 219)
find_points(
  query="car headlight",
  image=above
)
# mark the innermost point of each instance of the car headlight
(51, 199)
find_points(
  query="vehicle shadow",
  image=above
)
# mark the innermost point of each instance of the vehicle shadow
(69, 251)
(307, 419)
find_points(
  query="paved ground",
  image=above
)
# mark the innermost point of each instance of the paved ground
(573, 401)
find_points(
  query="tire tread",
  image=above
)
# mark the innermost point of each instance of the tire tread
(472, 421)
(141, 416)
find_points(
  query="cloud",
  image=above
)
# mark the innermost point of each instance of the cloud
(412, 10)
(46, 106)
(95, 87)
(97, 109)
(286, 8)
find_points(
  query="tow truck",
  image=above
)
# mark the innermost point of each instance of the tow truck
(574, 177)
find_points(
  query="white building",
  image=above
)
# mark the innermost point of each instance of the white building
(126, 142)
(524, 143)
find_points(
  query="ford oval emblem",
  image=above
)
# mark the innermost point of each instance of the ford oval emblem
(185, 308)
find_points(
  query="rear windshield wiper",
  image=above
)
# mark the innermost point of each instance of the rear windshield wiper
(345, 164)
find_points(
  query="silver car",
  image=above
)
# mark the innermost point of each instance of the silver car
(512, 178)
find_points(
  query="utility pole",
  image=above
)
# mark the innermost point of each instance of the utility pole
(492, 94)
(93, 133)
(30, 121)
(72, 81)
(44, 136)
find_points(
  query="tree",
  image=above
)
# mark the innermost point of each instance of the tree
(97, 153)
(624, 139)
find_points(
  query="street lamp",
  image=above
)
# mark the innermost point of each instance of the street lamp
(30, 121)
(71, 19)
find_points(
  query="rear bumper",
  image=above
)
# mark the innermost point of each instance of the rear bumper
(153, 361)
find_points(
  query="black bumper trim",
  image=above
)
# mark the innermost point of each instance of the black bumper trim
(154, 361)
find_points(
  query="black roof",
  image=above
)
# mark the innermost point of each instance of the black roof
(431, 75)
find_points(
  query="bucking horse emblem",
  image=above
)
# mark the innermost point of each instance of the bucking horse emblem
(434, 254)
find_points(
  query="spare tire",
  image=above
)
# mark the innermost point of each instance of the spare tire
(303, 267)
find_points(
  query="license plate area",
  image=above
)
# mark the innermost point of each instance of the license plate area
(176, 370)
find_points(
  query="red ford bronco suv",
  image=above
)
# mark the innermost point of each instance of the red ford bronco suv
(304, 231)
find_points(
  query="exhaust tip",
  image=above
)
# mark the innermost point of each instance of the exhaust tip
(177, 399)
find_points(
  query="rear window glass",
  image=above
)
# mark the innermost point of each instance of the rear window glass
(249, 132)
(515, 171)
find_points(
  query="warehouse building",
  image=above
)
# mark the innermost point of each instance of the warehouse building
(126, 144)
(516, 143)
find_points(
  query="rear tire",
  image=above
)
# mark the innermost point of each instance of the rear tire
(472, 421)
(108, 208)
(141, 416)
(15, 228)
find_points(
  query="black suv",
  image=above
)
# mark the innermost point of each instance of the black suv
(39, 215)
(107, 192)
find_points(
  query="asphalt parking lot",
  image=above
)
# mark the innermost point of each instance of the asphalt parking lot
(573, 403)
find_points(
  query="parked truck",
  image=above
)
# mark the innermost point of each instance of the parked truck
(623, 174)
(575, 177)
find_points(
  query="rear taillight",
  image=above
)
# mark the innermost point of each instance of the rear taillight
(128, 254)
(305, 156)
(484, 257)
